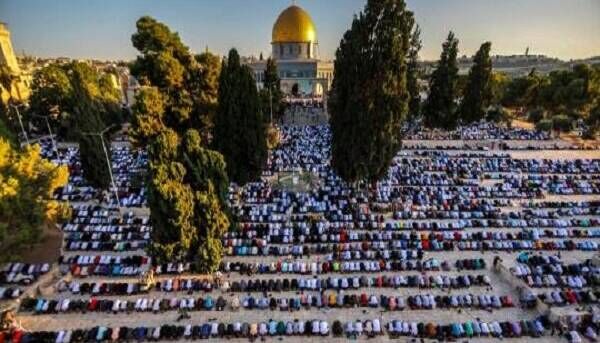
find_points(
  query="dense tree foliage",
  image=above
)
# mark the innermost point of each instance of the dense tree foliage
(27, 182)
(562, 123)
(413, 72)
(185, 206)
(499, 84)
(478, 92)
(571, 91)
(5, 130)
(208, 82)
(187, 184)
(271, 94)
(574, 90)
(51, 91)
(53, 95)
(439, 109)
(369, 96)
(88, 111)
(524, 91)
(239, 132)
(574, 93)
(186, 82)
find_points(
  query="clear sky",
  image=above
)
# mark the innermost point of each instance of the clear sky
(102, 28)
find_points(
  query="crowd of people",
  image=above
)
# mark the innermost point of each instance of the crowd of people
(421, 239)
(479, 131)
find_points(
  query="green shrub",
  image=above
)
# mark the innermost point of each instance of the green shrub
(562, 123)
(497, 114)
(535, 115)
(544, 125)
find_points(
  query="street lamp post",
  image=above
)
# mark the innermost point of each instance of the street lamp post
(112, 180)
(16, 107)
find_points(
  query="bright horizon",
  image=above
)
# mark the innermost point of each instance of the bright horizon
(567, 29)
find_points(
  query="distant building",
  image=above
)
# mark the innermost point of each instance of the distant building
(295, 49)
(20, 89)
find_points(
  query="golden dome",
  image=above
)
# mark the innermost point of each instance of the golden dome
(294, 25)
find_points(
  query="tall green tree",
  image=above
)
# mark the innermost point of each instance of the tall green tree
(440, 107)
(183, 202)
(271, 94)
(478, 94)
(369, 96)
(187, 184)
(209, 67)
(499, 86)
(239, 132)
(413, 73)
(88, 111)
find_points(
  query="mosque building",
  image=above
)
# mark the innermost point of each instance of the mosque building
(295, 49)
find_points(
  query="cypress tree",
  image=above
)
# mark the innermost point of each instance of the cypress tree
(369, 96)
(275, 96)
(478, 93)
(440, 107)
(87, 114)
(239, 132)
(412, 74)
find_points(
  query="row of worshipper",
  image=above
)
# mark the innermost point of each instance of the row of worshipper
(470, 329)
(279, 285)
(356, 282)
(299, 267)
(10, 292)
(303, 302)
(479, 131)
(405, 165)
(104, 265)
(354, 328)
(171, 332)
(484, 147)
(133, 288)
(324, 232)
(22, 273)
(356, 252)
(564, 205)
(550, 271)
(569, 297)
(342, 240)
